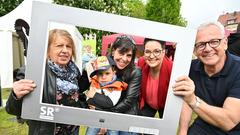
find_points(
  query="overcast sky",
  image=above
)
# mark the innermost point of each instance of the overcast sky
(199, 11)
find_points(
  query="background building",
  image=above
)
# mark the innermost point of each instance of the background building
(230, 20)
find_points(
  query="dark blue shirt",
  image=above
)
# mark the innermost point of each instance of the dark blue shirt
(214, 90)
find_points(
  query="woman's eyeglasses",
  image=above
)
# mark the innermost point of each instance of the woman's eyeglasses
(212, 43)
(155, 52)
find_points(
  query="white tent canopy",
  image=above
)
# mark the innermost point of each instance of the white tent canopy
(23, 11)
(7, 21)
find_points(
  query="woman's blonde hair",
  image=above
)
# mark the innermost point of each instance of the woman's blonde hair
(63, 33)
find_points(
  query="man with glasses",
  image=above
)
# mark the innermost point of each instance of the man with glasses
(212, 89)
(156, 72)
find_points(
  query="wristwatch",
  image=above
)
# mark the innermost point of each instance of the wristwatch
(196, 104)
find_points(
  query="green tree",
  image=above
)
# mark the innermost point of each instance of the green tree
(136, 8)
(7, 6)
(165, 11)
(108, 6)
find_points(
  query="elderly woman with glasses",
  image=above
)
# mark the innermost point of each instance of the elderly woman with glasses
(156, 72)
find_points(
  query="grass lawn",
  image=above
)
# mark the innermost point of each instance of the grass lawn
(5, 93)
(9, 124)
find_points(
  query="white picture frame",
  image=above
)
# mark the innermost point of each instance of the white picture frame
(34, 109)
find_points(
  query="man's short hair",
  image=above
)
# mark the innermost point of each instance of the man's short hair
(215, 23)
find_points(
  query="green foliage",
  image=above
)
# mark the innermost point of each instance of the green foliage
(165, 11)
(7, 6)
(136, 8)
(109, 6)
(119, 7)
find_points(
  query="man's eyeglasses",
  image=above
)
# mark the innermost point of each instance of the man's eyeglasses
(155, 52)
(212, 43)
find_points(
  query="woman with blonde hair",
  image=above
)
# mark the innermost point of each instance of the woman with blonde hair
(63, 85)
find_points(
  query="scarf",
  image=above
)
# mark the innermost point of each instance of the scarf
(66, 77)
(164, 78)
(67, 91)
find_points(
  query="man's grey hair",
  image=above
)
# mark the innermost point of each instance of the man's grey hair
(217, 24)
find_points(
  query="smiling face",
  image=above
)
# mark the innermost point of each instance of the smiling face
(122, 59)
(210, 56)
(153, 54)
(123, 51)
(60, 48)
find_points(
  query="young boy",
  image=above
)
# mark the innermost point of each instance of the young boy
(105, 89)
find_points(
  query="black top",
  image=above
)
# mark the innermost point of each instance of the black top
(214, 90)
(234, 43)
